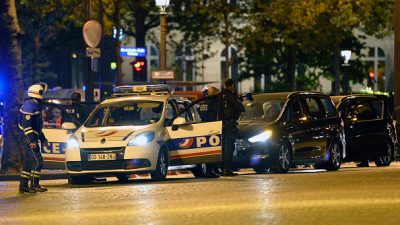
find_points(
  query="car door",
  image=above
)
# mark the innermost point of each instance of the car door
(316, 134)
(296, 128)
(365, 128)
(194, 142)
(53, 117)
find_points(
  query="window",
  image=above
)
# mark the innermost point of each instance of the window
(295, 111)
(366, 111)
(329, 107)
(315, 110)
(376, 62)
(127, 113)
(54, 117)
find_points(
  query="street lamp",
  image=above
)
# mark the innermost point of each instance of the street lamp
(163, 4)
(346, 55)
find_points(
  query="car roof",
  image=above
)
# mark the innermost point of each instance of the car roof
(159, 98)
(338, 99)
(285, 95)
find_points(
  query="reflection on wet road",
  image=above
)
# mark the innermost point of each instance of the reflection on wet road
(348, 196)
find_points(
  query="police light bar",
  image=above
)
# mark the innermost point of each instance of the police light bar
(141, 89)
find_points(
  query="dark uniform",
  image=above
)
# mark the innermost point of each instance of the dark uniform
(232, 109)
(30, 124)
(78, 111)
(209, 109)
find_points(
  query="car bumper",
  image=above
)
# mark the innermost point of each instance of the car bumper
(247, 154)
(129, 159)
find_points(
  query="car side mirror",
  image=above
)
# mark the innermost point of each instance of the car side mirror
(68, 126)
(178, 121)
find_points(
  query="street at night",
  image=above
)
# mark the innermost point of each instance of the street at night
(303, 196)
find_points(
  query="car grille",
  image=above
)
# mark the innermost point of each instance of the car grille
(102, 149)
(103, 165)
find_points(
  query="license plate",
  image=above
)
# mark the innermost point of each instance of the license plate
(104, 156)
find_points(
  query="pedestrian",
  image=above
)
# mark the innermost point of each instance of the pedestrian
(30, 124)
(232, 108)
(208, 110)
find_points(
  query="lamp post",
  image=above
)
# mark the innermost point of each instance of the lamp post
(346, 55)
(163, 4)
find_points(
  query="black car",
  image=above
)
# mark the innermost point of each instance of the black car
(369, 128)
(280, 130)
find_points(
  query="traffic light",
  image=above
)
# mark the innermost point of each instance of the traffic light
(139, 70)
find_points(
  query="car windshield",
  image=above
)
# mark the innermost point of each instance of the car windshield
(127, 113)
(265, 110)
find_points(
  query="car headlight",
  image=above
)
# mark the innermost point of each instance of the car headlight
(141, 139)
(73, 143)
(261, 137)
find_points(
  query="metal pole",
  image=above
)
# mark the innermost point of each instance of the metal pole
(89, 75)
(163, 34)
(397, 55)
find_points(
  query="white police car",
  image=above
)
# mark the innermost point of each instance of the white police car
(141, 130)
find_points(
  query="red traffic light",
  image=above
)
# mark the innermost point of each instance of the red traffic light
(138, 65)
(371, 75)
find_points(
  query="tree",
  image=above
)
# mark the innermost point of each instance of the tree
(10, 74)
(226, 22)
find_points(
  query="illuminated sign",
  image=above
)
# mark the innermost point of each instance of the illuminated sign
(132, 52)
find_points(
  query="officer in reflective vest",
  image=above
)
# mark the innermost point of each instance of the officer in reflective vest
(30, 124)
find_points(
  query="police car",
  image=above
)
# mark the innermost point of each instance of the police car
(142, 130)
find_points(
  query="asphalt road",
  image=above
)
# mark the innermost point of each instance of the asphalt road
(349, 196)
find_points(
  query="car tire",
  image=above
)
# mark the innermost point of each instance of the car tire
(123, 177)
(335, 157)
(162, 167)
(260, 170)
(200, 170)
(385, 159)
(283, 159)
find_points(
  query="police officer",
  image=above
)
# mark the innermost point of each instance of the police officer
(30, 124)
(232, 108)
(209, 110)
(77, 110)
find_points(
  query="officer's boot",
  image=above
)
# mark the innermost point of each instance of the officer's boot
(24, 186)
(36, 184)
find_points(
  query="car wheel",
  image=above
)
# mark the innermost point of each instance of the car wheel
(335, 157)
(200, 170)
(123, 177)
(260, 170)
(162, 167)
(283, 160)
(386, 159)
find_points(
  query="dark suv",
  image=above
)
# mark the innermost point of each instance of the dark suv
(280, 130)
(369, 128)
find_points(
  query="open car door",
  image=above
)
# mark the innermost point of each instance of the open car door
(58, 125)
(193, 141)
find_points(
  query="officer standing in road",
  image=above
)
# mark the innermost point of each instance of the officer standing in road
(208, 110)
(30, 124)
(232, 108)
